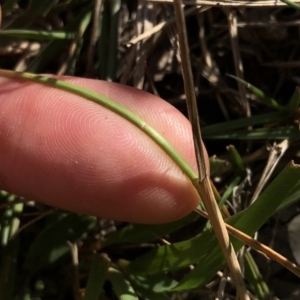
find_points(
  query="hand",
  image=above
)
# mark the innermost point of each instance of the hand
(71, 153)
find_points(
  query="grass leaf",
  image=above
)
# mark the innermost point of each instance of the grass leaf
(38, 34)
(121, 286)
(260, 94)
(138, 233)
(51, 243)
(36, 8)
(204, 250)
(96, 278)
(255, 279)
(291, 4)
(54, 47)
(265, 119)
(277, 133)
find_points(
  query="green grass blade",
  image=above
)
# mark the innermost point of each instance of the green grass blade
(158, 283)
(121, 286)
(152, 287)
(6, 219)
(138, 233)
(277, 133)
(38, 34)
(251, 219)
(236, 161)
(9, 262)
(115, 6)
(148, 294)
(204, 249)
(204, 271)
(37, 8)
(215, 164)
(102, 49)
(264, 119)
(96, 278)
(294, 102)
(291, 4)
(174, 257)
(248, 221)
(54, 47)
(255, 279)
(293, 197)
(229, 190)
(260, 94)
(51, 243)
(83, 25)
(10, 249)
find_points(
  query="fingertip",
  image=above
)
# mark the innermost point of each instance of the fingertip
(70, 153)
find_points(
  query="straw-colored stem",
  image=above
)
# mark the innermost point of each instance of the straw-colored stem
(204, 187)
(259, 247)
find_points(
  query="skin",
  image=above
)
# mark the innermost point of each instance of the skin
(71, 153)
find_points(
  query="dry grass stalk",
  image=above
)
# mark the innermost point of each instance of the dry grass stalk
(238, 64)
(259, 247)
(231, 3)
(276, 153)
(203, 185)
(147, 34)
(94, 37)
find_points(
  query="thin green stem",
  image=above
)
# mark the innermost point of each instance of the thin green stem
(291, 4)
(113, 106)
